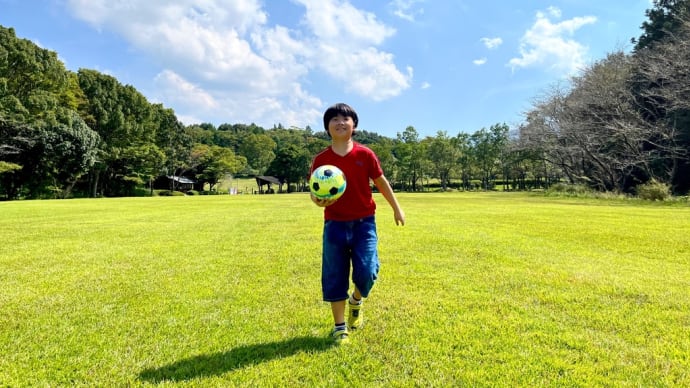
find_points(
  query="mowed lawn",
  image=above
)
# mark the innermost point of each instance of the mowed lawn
(479, 289)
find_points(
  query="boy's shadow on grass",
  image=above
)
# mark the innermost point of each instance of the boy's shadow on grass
(218, 363)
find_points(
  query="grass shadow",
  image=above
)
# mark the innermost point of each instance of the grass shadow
(207, 365)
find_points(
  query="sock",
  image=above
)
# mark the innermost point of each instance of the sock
(353, 300)
(340, 326)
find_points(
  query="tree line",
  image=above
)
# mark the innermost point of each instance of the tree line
(621, 122)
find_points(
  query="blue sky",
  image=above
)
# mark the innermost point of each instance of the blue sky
(451, 65)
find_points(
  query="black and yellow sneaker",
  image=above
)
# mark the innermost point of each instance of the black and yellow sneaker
(340, 335)
(355, 318)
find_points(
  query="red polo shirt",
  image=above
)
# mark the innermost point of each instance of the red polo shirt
(360, 165)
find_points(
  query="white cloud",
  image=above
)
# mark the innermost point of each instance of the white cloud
(425, 85)
(491, 43)
(479, 61)
(334, 20)
(405, 9)
(223, 60)
(175, 88)
(547, 44)
(368, 71)
(554, 12)
(346, 39)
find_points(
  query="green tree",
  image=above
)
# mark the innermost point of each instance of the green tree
(34, 82)
(487, 148)
(465, 159)
(291, 165)
(174, 140)
(258, 149)
(411, 155)
(213, 163)
(70, 152)
(443, 153)
(665, 18)
(384, 149)
(123, 118)
(16, 140)
(143, 163)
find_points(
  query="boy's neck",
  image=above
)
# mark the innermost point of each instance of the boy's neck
(342, 147)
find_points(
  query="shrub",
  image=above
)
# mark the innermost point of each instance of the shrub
(568, 189)
(653, 191)
(168, 193)
(142, 192)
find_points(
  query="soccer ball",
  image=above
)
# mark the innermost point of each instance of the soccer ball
(327, 182)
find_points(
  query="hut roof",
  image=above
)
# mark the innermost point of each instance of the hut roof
(264, 179)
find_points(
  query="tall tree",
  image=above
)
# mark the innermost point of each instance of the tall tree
(35, 84)
(259, 151)
(71, 151)
(174, 140)
(411, 156)
(443, 153)
(385, 150)
(465, 159)
(213, 163)
(291, 165)
(123, 118)
(662, 89)
(16, 141)
(487, 147)
(665, 18)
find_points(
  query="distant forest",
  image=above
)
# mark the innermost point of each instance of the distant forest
(622, 122)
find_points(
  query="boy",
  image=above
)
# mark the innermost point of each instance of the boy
(349, 232)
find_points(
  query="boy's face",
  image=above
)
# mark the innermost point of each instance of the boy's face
(341, 127)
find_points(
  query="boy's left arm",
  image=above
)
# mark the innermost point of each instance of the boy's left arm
(387, 191)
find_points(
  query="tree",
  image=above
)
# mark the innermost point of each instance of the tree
(213, 163)
(174, 140)
(605, 127)
(594, 132)
(16, 140)
(465, 159)
(443, 153)
(45, 159)
(124, 118)
(70, 152)
(411, 155)
(143, 163)
(662, 89)
(664, 19)
(487, 148)
(384, 150)
(34, 83)
(259, 151)
(291, 165)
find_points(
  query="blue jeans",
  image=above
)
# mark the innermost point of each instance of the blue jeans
(346, 242)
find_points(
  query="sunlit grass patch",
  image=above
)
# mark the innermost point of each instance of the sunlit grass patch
(477, 289)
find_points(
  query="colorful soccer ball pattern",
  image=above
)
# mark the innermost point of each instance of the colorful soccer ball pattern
(327, 182)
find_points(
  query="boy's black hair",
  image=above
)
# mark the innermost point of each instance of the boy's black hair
(339, 109)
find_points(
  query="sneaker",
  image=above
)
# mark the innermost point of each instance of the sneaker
(355, 318)
(340, 336)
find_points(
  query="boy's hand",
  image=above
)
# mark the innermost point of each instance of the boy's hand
(321, 202)
(399, 217)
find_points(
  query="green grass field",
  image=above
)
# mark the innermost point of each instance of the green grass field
(479, 289)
